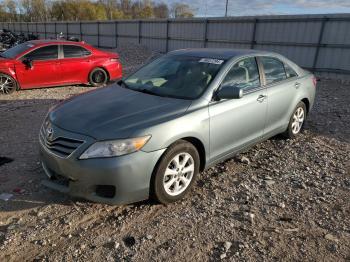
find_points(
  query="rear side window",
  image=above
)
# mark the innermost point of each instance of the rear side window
(274, 70)
(71, 51)
(44, 53)
(289, 71)
(244, 74)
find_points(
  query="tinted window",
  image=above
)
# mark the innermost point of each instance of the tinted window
(44, 53)
(274, 70)
(74, 51)
(290, 71)
(244, 74)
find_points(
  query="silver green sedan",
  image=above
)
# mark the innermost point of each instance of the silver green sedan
(151, 134)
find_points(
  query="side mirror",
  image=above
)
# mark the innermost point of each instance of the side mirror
(28, 62)
(229, 92)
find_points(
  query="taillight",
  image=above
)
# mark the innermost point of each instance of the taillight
(113, 59)
(314, 81)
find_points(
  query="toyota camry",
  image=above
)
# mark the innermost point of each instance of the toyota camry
(46, 63)
(151, 134)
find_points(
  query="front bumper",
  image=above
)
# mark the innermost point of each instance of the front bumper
(129, 175)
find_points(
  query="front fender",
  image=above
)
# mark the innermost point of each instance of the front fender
(193, 124)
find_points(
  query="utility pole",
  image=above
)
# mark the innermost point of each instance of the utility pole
(226, 8)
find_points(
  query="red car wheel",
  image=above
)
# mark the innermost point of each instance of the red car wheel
(7, 84)
(98, 77)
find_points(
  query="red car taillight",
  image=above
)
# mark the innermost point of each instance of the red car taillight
(114, 60)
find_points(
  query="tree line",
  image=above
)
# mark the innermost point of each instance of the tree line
(81, 10)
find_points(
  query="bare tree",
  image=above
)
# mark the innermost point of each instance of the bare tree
(180, 10)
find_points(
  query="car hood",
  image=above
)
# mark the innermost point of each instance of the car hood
(115, 112)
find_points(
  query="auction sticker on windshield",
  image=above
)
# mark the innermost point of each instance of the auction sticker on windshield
(211, 61)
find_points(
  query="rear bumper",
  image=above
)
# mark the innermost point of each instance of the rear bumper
(128, 175)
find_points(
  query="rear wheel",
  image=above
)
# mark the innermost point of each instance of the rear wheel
(176, 172)
(98, 77)
(7, 84)
(296, 121)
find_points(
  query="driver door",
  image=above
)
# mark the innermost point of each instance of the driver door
(237, 123)
(45, 69)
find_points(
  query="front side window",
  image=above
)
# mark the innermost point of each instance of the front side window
(72, 51)
(43, 53)
(244, 74)
(274, 70)
(176, 76)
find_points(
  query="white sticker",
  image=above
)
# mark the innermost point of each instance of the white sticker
(211, 61)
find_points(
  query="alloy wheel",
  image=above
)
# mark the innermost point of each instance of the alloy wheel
(178, 174)
(7, 84)
(298, 120)
(99, 77)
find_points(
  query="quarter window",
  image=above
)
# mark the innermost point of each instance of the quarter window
(244, 74)
(289, 71)
(44, 53)
(274, 70)
(71, 51)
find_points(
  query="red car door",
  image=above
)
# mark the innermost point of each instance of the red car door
(75, 64)
(44, 71)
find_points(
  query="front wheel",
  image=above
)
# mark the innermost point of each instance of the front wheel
(296, 121)
(176, 172)
(7, 84)
(98, 77)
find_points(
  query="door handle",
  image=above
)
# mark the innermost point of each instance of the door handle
(261, 98)
(297, 85)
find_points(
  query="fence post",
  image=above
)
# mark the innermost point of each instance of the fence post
(139, 36)
(45, 31)
(253, 42)
(205, 39)
(320, 37)
(55, 30)
(36, 28)
(167, 36)
(98, 33)
(67, 30)
(80, 30)
(116, 33)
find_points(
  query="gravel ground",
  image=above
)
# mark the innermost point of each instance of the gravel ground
(281, 200)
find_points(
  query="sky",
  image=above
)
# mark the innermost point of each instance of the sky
(214, 8)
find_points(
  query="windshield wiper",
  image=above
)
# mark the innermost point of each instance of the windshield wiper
(122, 82)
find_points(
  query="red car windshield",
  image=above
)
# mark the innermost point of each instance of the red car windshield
(16, 50)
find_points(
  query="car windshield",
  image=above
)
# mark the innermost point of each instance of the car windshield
(175, 76)
(16, 50)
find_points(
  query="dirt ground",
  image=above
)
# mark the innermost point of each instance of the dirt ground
(281, 200)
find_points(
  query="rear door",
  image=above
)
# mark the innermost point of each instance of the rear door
(45, 70)
(76, 64)
(281, 85)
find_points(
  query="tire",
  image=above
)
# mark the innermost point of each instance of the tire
(169, 182)
(8, 84)
(98, 77)
(296, 122)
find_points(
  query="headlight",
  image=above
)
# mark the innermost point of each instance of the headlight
(115, 147)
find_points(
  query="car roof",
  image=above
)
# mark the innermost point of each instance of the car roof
(218, 53)
(54, 41)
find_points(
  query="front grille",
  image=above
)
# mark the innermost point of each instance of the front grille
(61, 146)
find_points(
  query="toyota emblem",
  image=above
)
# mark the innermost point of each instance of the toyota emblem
(49, 133)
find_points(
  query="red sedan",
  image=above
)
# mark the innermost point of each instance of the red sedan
(45, 63)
